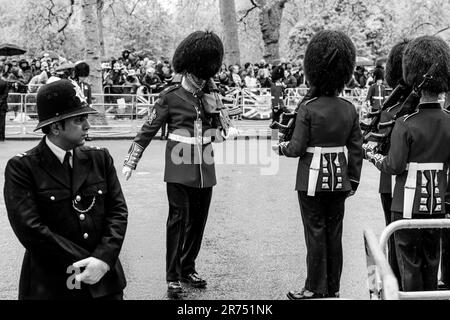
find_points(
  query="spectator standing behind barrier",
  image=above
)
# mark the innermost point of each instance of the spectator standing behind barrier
(419, 156)
(277, 91)
(152, 81)
(4, 89)
(324, 127)
(377, 91)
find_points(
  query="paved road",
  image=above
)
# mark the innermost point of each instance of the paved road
(254, 243)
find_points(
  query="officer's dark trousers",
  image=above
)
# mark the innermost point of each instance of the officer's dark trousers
(188, 212)
(418, 257)
(445, 257)
(386, 202)
(2, 124)
(322, 217)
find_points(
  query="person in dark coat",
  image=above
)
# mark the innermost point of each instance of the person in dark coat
(4, 91)
(65, 205)
(420, 157)
(187, 108)
(326, 126)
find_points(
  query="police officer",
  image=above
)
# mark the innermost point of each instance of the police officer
(189, 170)
(326, 126)
(420, 157)
(65, 205)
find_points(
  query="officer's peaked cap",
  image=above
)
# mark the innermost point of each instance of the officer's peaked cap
(330, 60)
(60, 100)
(424, 55)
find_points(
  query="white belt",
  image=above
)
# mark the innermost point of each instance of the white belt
(411, 182)
(378, 98)
(314, 168)
(189, 140)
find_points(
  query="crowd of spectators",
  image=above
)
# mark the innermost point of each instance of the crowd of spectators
(133, 73)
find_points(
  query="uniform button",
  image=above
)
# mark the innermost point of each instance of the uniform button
(100, 192)
(78, 199)
(82, 217)
(85, 236)
(52, 198)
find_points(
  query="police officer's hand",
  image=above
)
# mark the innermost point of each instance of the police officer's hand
(94, 270)
(127, 171)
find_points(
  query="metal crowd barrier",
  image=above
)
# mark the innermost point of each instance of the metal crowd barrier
(382, 282)
(254, 103)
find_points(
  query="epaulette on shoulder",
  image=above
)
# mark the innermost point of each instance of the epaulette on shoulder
(346, 100)
(169, 89)
(407, 117)
(311, 100)
(21, 155)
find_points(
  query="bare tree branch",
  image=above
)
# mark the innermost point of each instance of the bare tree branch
(67, 19)
(442, 30)
(248, 11)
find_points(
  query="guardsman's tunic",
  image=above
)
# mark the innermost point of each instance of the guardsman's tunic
(376, 96)
(328, 140)
(60, 223)
(189, 172)
(420, 157)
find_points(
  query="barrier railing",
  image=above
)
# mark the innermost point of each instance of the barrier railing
(380, 276)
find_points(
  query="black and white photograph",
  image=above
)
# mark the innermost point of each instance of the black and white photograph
(225, 158)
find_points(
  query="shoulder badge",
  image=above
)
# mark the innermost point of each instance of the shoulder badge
(152, 116)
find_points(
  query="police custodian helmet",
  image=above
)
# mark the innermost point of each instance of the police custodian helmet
(329, 62)
(60, 100)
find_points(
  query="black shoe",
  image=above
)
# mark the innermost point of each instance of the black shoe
(194, 280)
(304, 294)
(333, 295)
(174, 287)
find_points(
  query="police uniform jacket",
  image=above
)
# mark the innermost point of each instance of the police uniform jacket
(186, 164)
(327, 122)
(41, 206)
(421, 137)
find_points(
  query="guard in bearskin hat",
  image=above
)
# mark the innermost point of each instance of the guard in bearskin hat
(277, 91)
(81, 73)
(193, 113)
(326, 126)
(66, 206)
(394, 78)
(377, 91)
(419, 156)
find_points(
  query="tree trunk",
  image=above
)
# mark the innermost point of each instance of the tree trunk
(100, 5)
(92, 41)
(230, 29)
(270, 22)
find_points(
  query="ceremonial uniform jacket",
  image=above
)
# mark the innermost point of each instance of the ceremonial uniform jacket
(376, 96)
(327, 122)
(60, 223)
(186, 164)
(422, 137)
(386, 116)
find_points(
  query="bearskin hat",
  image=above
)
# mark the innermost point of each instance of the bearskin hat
(329, 62)
(394, 71)
(277, 73)
(81, 69)
(200, 53)
(424, 55)
(378, 74)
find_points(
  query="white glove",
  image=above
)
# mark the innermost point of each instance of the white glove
(127, 171)
(276, 149)
(232, 133)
